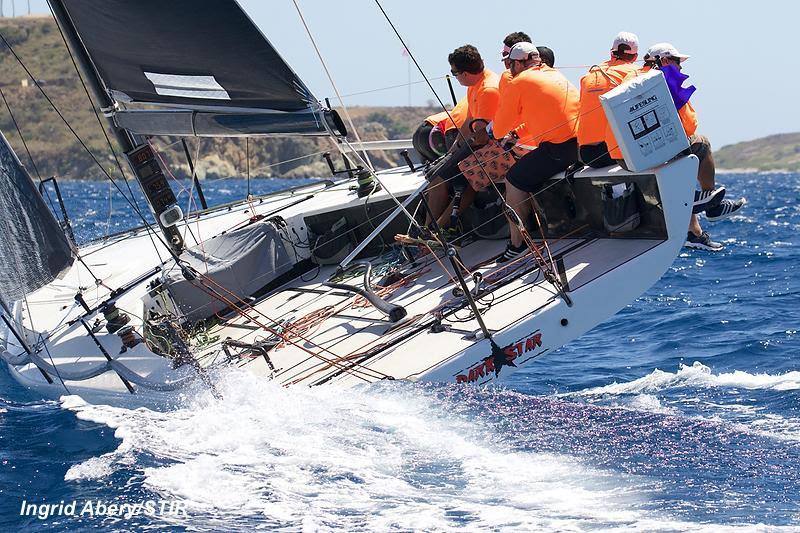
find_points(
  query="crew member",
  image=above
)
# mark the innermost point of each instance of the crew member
(601, 79)
(709, 198)
(438, 132)
(467, 66)
(548, 104)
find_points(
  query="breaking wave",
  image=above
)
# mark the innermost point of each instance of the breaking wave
(390, 456)
(696, 376)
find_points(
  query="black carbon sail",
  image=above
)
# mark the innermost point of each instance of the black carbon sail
(204, 57)
(33, 246)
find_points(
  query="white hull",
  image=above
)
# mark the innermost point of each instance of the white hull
(351, 344)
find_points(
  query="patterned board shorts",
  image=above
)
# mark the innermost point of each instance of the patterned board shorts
(489, 164)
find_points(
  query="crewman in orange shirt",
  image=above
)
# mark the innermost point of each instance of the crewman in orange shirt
(467, 66)
(602, 78)
(548, 104)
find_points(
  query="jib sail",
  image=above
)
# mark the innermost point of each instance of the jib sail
(33, 246)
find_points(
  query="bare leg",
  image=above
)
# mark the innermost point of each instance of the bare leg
(706, 173)
(437, 196)
(467, 197)
(518, 201)
(694, 225)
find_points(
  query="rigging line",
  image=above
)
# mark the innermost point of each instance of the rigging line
(243, 311)
(21, 136)
(91, 104)
(391, 87)
(53, 363)
(135, 207)
(292, 160)
(110, 210)
(247, 159)
(333, 84)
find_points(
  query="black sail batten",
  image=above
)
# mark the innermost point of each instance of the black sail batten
(191, 54)
(33, 246)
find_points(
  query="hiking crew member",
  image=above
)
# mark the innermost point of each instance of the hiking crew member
(601, 79)
(437, 133)
(548, 104)
(710, 198)
(467, 66)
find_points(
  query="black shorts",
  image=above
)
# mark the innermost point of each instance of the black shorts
(596, 155)
(536, 167)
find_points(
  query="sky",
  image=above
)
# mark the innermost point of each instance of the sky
(746, 81)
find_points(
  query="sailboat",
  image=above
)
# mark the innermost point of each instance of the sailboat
(307, 286)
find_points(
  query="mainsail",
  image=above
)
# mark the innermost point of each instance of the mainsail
(33, 247)
(204, 59)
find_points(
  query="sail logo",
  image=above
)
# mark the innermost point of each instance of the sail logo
(511, 352)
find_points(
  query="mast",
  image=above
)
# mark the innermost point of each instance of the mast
(160, 197)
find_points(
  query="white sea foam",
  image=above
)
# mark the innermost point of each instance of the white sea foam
(646, 402)
(377, 459)
(94, 468)
(696, 375)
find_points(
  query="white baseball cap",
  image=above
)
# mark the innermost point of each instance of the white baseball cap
(626, 38)
(522, 51)
(664, 50)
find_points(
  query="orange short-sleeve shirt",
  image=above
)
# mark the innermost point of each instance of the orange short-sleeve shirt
(483, 98)
(459, 114)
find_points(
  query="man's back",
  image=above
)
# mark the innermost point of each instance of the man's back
(599, 80)
(545, 101)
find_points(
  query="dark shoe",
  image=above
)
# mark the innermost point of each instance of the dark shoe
(704, 200)
(420, 232)
(703, 242)
(512, 252)
(725, 209)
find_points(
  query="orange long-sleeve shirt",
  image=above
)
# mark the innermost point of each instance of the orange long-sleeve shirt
(524, 136)
(542, 99)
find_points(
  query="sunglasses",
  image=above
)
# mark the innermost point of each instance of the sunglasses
(456, 73)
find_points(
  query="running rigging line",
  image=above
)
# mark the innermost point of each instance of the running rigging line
(333, 84)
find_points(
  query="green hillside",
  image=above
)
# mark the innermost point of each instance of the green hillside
(37, 42)
(775, 152)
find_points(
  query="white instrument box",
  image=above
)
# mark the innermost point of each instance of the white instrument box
(644, 120)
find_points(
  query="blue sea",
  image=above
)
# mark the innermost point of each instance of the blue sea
(680, 413)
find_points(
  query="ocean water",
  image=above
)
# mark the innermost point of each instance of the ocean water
(681, 413)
